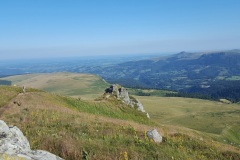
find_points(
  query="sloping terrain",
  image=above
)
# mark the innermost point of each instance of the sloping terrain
(220, 120)
(85, 86)
(76, 129)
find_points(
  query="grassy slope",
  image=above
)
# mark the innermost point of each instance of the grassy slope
(207, 116)
(76, 129)
(7, 93)
(86, 86)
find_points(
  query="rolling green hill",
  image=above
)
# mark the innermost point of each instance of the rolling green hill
(219, 120)
(203, 124)
(215, 118)
(77, 129)
(86, 86)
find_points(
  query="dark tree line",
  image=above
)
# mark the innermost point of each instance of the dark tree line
(218, 89)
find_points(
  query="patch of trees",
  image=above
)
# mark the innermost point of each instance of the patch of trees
(218, 89)
(189, 95)
(141, 93)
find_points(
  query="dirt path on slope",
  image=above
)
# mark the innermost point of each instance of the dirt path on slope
(8, 105)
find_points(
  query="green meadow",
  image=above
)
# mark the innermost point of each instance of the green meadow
(218, 119)
(70, 119)
(86, 86)
(107, 129)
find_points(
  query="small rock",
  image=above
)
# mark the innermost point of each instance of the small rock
(154, 135)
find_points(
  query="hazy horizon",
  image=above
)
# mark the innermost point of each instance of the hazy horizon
(43, 29)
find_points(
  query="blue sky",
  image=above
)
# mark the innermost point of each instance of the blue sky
(59, 28)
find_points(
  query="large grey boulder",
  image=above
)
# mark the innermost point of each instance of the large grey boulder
(154, 135)
(13, 144)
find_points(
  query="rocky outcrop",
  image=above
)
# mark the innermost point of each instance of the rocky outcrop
(121, 93)
(154, 135)
(14, 145)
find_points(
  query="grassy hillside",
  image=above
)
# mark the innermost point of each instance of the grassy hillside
(86, 86)
(76, 129)
(219, 119)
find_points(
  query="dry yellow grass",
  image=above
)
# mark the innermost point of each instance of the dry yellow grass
(53, 125)
(86, 86)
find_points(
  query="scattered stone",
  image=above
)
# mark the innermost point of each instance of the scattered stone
(14, 144)
(154, 135)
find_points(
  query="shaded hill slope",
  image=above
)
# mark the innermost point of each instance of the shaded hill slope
(76, 129)
(202, 73)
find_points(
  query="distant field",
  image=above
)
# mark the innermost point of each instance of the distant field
(202, 115)
(149, 92)
(86, 86)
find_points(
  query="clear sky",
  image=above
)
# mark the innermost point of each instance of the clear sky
(51, 28)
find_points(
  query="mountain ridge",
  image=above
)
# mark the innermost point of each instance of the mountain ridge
(179, 72)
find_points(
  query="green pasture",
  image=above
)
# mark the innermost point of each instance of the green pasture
(211, 117)
(86, 86)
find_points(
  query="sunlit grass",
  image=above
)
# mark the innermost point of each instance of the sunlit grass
(76, 129)
(86, 86)
(202, 115)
